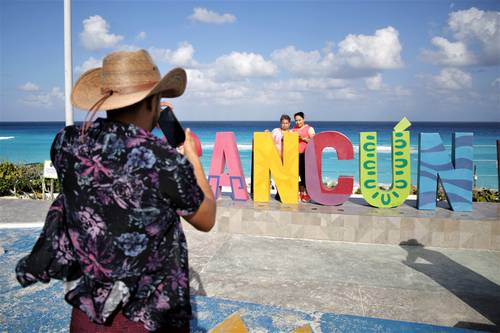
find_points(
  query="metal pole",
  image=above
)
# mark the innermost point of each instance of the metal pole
(68, 71)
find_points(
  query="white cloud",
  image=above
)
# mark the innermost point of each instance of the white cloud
(477, 35)
(448, 53)
(38, 98)
(233, 66)
(141, 35)
(307, 85)
(299, 62)
(90, 63)
(496, 82)
(243, 65)
(204, 87)
(199, 80)
(379, 51)
(127, 47)
(29, 86)
(57, 93)
(452, 79)
(95, 34)
(233, 79)
(358, 55)
(399, 91)
(54, 97)
(182, 56)
(204, 15)
(374, 82)
(237, 77)
(343, 94)
(484, 26)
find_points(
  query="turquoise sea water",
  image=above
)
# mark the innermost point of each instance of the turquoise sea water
(29, 142)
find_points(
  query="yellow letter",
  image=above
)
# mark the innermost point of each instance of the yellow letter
(267, 159)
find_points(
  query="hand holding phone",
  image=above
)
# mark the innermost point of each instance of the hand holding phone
(171, 127)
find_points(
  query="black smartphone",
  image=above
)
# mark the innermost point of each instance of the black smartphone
(171, 128)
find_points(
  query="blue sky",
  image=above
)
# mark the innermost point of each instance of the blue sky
(333, 60)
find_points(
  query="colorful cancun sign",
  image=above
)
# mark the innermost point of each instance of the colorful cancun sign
(435, 166)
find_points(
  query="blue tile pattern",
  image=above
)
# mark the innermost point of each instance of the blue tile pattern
(41, 308)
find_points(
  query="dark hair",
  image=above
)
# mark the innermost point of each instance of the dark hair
(131, 109)
(301, 114)
(285, 116)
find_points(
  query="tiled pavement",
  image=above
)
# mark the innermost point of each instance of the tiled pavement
(278, 284)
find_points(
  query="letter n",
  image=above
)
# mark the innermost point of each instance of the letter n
(454, 174)
(226, 152)
(285, 173)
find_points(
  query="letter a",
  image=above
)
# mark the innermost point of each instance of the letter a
(226, 152)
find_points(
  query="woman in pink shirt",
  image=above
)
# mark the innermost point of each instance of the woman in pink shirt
(306, 133)
(279, 132)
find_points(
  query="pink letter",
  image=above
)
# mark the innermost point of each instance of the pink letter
(226, 151)
(318, 192)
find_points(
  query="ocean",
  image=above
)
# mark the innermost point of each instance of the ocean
(29, 142)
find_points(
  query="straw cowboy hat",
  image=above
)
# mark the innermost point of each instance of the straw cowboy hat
(125, 78)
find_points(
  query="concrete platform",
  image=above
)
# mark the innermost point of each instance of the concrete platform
(428, 285)
(355, 221)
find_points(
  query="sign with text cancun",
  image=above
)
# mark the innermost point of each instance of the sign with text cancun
(435, 165)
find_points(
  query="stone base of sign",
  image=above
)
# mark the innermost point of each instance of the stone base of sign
(355, 221)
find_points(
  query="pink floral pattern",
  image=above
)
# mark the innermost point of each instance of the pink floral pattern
(117, 219)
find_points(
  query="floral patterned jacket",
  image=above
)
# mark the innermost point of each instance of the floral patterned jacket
(114, 232)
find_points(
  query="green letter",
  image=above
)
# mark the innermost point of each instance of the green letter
(401, 180)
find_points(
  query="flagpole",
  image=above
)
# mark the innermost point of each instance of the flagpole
(68, 72)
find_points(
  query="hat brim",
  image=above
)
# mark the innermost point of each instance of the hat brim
(87, 90)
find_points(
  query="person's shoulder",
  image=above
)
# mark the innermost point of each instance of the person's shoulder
(68, 130)
(67, 133)
(66, 137)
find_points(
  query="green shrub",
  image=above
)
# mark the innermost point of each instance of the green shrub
(485, 195)
(8, 177)
(23, 179)
(26, 179)
(478, 195)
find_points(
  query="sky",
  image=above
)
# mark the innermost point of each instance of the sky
(255, 60)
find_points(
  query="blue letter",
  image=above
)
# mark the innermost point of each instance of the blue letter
(455, 174)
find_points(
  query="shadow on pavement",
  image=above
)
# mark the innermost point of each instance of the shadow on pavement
(472, 288)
